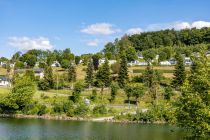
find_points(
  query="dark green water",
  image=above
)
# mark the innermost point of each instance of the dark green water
(36, 129)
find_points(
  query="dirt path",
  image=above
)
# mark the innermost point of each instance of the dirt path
(110, 118)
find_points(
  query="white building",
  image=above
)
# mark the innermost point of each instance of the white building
(165, 63)
(187, 61)
(2, 63)
(172, 61)
(12, 65)
(56, 64)
(133, 63)
(4, 81)
(102, 61)
(39, 73)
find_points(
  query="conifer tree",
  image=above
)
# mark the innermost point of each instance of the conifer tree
(48, 76)
(89, 74)
(72, 74)
(103, 76)
(152, 80)
(194, 105)
(179, 74)
(114, 90)
(77, 91)
(123, 72)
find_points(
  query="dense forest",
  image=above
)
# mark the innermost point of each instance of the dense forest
(172, 37)
(159, 41)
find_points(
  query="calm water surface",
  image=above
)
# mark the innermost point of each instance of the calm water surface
(36, 129)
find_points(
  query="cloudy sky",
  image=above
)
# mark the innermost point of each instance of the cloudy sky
(85, 26)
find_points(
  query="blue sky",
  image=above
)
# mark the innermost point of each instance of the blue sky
(85, 26)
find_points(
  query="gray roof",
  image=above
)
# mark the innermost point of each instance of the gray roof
(3, 78)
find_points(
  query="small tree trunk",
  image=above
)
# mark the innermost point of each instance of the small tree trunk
(72, 85)
(137, 103)
(129, 103)
(102, 90)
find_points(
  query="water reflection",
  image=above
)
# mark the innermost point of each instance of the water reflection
(35, 129)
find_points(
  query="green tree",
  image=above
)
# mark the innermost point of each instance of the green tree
(103, 76)
(77, 60)
(77, 91)
(179, 73)
(65, 63)
(93, 96)
(168, 93)
(194, 105)
(114, 90)
(19, 65)
(95, 59)
(123, 72)
(30, 74)
(149, 55)
(115, 68)
(129, 92)
(89, 74)
(22, 91)
(30, 59)
(48, 76)
(135, 90)
(138, 92)
(72, 74)
(152, 79)
(16, 56)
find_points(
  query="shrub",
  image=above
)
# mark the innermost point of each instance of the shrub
(42, 110)
(101, 109)
(44, 96)
(31, 109)
(43, 85)
(77, 91)
(138, 79)
(68, 105)
(93, 96)
(81, 110)
(115, 68)
(58, 108)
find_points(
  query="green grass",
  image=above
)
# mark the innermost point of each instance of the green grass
(3, 71)
(162, 71)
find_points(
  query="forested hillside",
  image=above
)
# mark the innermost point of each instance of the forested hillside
(157, 39)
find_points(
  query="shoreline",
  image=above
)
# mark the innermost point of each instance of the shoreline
(66, 118)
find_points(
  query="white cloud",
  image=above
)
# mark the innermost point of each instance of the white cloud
(94, 42)
(134, 31)
(100, 29)
(181, 25)
(156, 27)
(26, 43)
(200, 24)
(178, 25)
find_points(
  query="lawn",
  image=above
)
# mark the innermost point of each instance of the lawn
(3, 71)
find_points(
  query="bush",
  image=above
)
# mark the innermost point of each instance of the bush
(34, 109)
(138, 79)
(81, 110)
(157, 113)
(68, 108)
(44, 96)
(93, 96)
(31, 109)
(115, 68)
(58, 108)
(42, 110)
(101, 109)
(43, 85)
(168, 93)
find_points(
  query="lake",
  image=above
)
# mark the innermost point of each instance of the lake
(37, 129)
